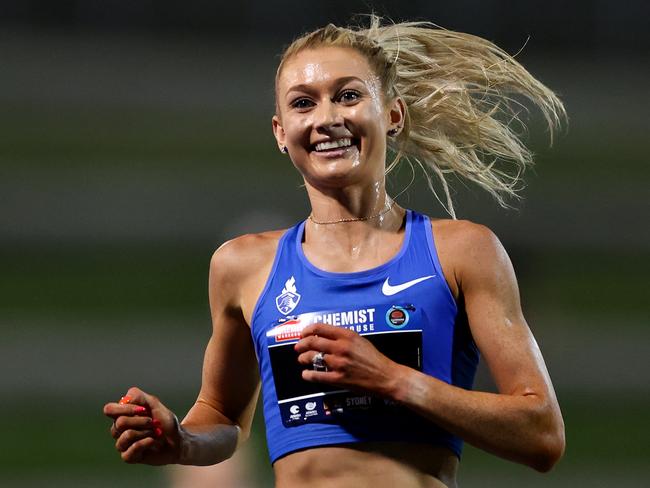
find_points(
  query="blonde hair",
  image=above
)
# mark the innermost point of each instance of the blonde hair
(459, 94)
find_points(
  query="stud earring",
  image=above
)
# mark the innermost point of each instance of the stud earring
(394, 132)
(284, 150)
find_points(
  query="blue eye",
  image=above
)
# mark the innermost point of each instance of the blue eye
(349, 96)
(301, 103)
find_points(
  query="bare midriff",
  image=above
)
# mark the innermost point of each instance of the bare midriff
(368, 465)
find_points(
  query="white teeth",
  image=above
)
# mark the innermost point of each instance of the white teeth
(324, 146)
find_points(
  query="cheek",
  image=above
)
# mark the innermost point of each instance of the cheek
(298, 129)
(371, 118)
(370, 126)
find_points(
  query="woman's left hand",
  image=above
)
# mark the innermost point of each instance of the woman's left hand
(352, 361)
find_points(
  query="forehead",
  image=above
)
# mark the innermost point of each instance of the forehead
(312, 66)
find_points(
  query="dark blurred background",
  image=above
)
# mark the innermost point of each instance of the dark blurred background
(135, 138)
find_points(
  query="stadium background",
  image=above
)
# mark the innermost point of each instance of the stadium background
(135, 138)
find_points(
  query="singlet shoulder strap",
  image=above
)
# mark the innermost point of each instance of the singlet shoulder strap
(282, 253)
(426, 232)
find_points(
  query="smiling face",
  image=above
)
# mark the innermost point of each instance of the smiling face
(332, 117)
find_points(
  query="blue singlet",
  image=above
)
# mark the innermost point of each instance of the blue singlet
(404, 307)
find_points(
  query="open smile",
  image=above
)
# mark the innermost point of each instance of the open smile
(335, 148)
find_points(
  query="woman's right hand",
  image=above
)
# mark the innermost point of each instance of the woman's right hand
(145, 430)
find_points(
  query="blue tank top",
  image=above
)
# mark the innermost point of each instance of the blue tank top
(404, 307)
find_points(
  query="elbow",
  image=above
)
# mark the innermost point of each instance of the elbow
(547, 441)
(550, 450)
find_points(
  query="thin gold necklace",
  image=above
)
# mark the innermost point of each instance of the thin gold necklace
(353, 219)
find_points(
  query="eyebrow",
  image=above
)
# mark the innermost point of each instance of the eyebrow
(337, 83)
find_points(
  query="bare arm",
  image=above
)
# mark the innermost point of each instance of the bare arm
(222, 414)
(148, 432)
(523, 421)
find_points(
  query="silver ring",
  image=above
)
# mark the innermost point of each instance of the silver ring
(318, 362)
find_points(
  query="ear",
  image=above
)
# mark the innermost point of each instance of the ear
(396, 114)
(278, 131)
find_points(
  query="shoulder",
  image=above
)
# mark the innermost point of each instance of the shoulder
(238, 270)
(470, 251)
(465, 236)
(240, 256)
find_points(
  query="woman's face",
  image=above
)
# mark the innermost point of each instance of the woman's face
(332, 117)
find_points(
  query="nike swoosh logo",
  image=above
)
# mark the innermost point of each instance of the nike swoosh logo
(389, 290)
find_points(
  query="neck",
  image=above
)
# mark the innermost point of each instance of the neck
(351, 204)
(352, 215)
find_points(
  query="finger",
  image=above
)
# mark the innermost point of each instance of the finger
(124, 423)
(328, 377)
(307, 358)
(129, 437)
(325, 330)
(136, 396)
(315, 343)
(114, 410)
(332, 361)
(132, 403)
(136, 451)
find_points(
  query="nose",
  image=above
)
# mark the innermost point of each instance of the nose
(327, 116)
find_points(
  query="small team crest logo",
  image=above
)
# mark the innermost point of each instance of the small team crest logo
(289, 298)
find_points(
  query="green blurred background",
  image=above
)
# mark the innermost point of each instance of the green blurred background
(135, 138)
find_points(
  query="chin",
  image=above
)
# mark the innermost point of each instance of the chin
(339, 174)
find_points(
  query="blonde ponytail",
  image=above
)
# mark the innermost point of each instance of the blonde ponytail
(461, 96)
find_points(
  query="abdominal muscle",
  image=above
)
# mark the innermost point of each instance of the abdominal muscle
(368, 465)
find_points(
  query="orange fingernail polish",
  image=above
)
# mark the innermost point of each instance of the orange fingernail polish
(140, 410)
(124, 400)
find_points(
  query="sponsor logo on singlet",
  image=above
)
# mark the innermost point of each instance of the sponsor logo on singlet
(389, 290)
(397, 317)
(358, 320)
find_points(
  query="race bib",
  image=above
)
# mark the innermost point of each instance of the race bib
(393, 330)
